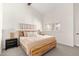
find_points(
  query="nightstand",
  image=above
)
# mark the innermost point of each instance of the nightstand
(10, 43)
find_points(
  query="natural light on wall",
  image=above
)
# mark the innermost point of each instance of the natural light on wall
(57, 26)
(53, 27)
(48, 27)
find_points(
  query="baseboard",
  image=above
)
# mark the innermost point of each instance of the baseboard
(65, 44)
(77, 45)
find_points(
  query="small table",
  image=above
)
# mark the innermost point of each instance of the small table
(10, 43)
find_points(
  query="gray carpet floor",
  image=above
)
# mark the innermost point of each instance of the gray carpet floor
(60, 50)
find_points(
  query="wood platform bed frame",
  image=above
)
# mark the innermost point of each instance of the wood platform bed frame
(41, 50)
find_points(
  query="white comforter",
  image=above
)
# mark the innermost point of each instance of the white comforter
(33, 39)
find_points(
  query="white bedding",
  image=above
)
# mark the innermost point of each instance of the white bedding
(31, 40)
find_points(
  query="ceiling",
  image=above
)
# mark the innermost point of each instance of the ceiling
(44, 8)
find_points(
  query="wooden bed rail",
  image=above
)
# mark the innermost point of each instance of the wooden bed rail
(41, 50)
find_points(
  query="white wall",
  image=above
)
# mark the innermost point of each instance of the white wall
(63, 14)
(76, 21)
(15, 13)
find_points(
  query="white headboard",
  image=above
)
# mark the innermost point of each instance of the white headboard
(26, 26)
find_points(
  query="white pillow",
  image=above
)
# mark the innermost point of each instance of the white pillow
(32, 34)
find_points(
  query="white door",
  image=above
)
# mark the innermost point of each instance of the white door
(0, 26)
(76, 23)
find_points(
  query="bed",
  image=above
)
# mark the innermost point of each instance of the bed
(35, 44)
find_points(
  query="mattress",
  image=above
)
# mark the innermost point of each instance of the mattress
(31, 43)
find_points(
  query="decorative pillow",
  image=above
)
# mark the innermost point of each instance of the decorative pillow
(21, 33)
(25, 34)
(32, 34)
